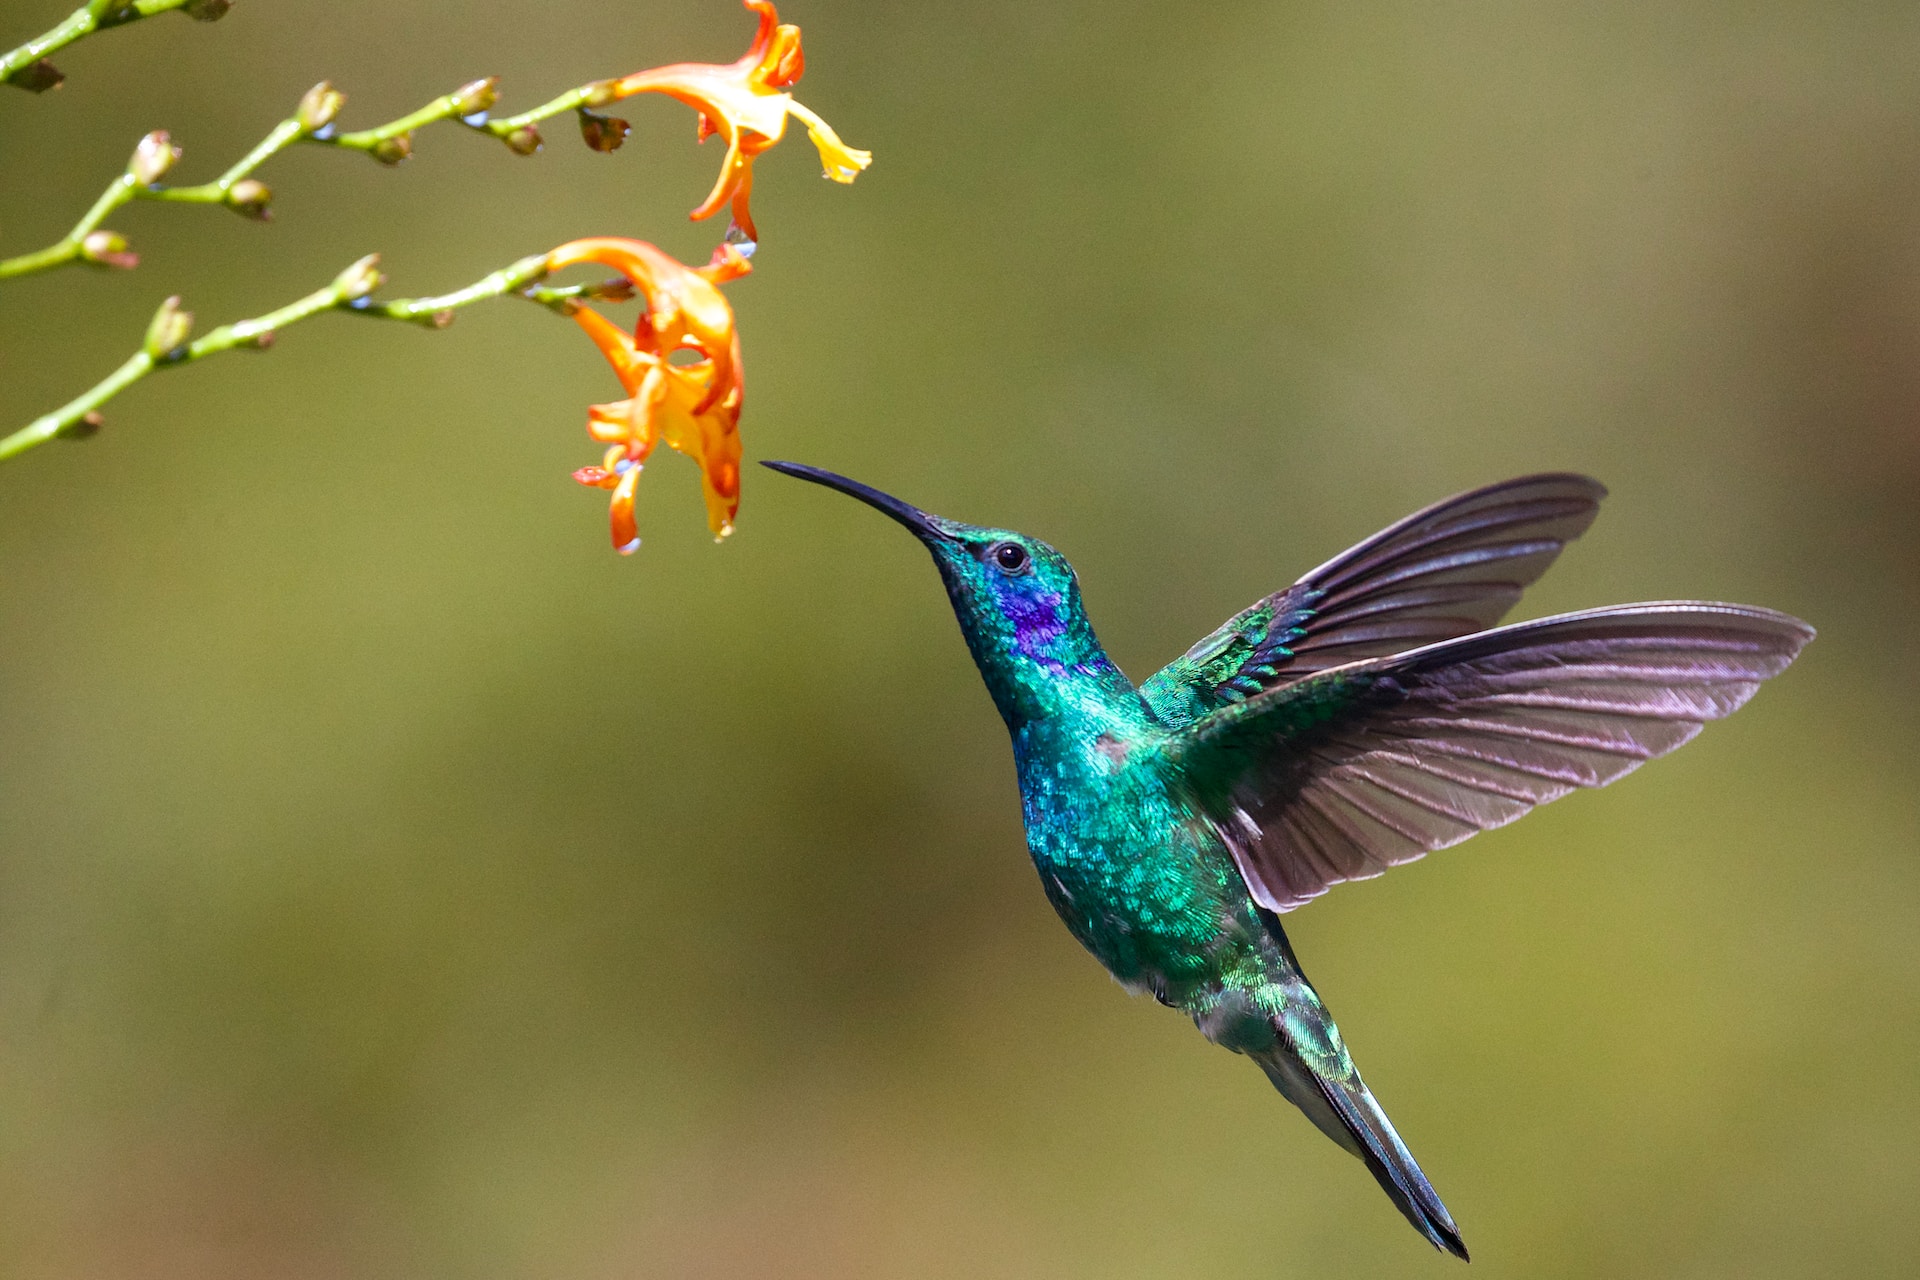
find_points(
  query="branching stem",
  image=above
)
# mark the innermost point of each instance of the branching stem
(389, 143)
(349, 292)
(26, 66)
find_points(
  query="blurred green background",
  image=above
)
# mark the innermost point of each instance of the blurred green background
(394, 882)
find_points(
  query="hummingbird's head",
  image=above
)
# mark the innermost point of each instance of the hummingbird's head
(1017, 600)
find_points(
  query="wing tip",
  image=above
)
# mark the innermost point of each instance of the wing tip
(1795, 632)
(1569, 479)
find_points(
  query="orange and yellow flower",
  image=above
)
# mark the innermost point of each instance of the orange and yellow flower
(694, 406)
(746, 103)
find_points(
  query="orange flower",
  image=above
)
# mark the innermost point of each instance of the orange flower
(693, 406)
(745, 102)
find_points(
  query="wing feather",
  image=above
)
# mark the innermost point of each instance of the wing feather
(1361, 767)
(1449, 570)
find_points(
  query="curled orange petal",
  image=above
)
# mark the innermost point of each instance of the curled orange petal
(746, 102)
(625, 529)
(694, 406)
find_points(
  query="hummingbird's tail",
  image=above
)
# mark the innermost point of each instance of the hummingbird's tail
(1293, 1038)
(1338, 1101)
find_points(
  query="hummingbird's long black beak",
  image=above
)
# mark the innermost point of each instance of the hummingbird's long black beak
(913, 517)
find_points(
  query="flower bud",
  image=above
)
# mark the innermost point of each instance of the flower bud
(393, 150)
(108, 249)
(523, 141)
(206, 10)
(88, 424)
(169, 331)
(152, 158)
(249, 198)
(603, 133)
(478, 96)
(360, 279)
(37, 77)
(320, 105)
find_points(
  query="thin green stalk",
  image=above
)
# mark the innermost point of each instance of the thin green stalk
(86, 242)
(26, 66)
(54, 255)
(596, 94)
(521, 277)
(389, 143)
(73, 246)
(468, 104)
(285, 133)
(392, 142)
(167, 348)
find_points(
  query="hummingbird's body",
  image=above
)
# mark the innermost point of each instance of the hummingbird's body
(1140, 882)
(1356, 720)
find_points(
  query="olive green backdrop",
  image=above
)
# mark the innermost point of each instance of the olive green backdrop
(394, 882)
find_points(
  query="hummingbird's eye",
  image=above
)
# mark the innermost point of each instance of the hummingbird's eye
(1010, 556)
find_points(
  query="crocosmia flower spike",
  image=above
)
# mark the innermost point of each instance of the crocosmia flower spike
(694, 406)
(747, 103)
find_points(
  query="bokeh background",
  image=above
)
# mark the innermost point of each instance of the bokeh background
(394, 882)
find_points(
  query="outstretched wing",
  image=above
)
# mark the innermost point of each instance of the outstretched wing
(1356, 769)
(1450, 570)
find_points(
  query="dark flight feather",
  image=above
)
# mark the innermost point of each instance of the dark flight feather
(1450, 570)
(1358, 768)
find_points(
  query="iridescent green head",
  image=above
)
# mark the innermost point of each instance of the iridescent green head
(1017, 600)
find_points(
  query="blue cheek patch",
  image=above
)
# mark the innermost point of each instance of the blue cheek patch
(1036, 623)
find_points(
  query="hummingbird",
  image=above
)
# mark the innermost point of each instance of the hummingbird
(1366, 715)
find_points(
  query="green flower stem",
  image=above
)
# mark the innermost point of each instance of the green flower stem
(438, 312)
(284, 134)
(71, 247)
(587, 95)
(454, 106)
(82, 22)
(54, 255)
(388, 142)
(348, 292)
(446, 107)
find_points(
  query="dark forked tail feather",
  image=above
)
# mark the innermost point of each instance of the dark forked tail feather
(1340, 1104)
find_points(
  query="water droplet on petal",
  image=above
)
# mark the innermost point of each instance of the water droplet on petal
(475, 120)
(630, 548)
(742, 243)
